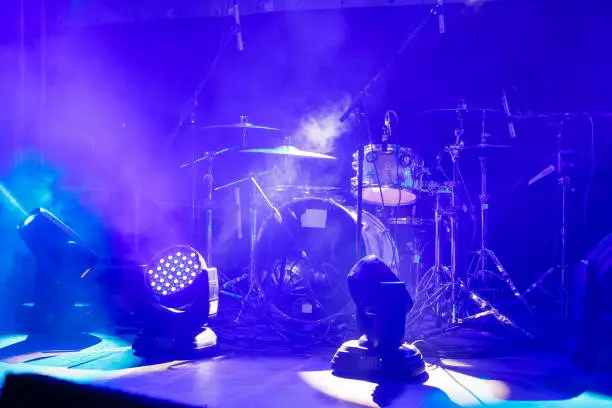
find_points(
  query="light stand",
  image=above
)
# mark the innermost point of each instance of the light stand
(357, 107)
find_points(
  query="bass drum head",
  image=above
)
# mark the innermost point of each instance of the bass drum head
(301, 265)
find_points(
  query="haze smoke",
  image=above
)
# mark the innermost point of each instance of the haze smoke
(319, 130)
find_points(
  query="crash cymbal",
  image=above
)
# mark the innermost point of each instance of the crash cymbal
(292, 151)
(240, 125)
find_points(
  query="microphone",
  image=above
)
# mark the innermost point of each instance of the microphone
(386, 132)
(511, 129)
(238, 27)
(441, 26)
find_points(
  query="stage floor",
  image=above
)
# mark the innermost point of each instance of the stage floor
(236, 378)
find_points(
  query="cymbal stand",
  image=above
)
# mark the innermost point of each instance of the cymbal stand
(208, 158)
(563, 180)
(458, 292)
(449, 212)
(253, 219)
(483, 253)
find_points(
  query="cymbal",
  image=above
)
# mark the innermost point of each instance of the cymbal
(292, 151)
(487, 146)
(528, 116)
(240, 125)
(469, 111)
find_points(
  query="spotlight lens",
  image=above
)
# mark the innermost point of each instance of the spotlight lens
(164, 274)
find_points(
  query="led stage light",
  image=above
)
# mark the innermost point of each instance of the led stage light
(382, 302)
(185, 295)
(62, 258)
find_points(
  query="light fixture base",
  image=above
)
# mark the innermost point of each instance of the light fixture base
(176, 345)
(355, 361)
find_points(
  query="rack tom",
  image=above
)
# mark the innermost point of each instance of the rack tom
(391, 177)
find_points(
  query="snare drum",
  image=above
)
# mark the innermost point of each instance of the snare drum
(390, 178)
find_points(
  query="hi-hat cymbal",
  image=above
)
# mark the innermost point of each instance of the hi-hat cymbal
(240, 125)
(292, 151)
(486, 146)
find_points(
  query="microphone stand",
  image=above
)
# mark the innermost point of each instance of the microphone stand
(357, 109)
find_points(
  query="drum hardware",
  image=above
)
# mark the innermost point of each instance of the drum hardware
(253, 213)
(565, 186)
(440, 285)
(484, 254)
(414, 221)
(431, 289)
(208, 157)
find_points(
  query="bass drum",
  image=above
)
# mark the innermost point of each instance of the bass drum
(301, 265)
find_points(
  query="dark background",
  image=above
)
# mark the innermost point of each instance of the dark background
(113, 92)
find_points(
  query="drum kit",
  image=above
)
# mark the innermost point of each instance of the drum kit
(301, 251)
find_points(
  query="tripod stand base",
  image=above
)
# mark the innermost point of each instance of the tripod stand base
(464, 297)
(480, 259)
